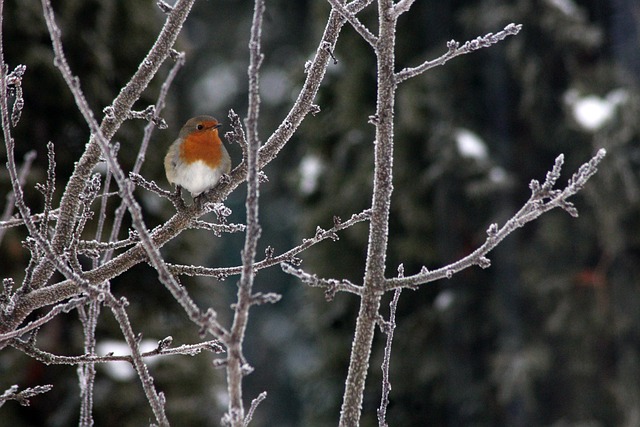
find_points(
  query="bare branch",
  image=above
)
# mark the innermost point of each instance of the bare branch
(35, 324)
(379, 224)
(401, 7)
(388, 328)
(149, 114)
(155, 399)
(543, 199)
(332, 285)
(22, 397)
(254, 405)
(270, 260)
(14, 87)
(456, 50)
(54, 359)
(10, 203)
(234, 341)
(355, 23)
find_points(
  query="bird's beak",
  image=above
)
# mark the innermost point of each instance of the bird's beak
(217, 126)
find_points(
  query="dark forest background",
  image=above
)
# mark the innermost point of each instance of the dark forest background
(549, 335)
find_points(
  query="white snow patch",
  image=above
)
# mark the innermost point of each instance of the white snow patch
(568, 7)
(498, 175)
(310, 169)
(470, 145)
(591, 111)
(123, 371)
(444, 300)
(215, 89)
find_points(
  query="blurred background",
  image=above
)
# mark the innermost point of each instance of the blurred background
(548, 336)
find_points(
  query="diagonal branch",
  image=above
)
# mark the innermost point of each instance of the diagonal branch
(542, 200)
(456, 50)
(172, 227)
(355, 23)
(119, 110)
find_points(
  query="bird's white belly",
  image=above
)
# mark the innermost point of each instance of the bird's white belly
(197, 177)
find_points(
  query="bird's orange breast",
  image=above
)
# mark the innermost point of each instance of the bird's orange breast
(205, 146)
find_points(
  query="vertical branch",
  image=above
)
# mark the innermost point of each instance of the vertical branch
(379, 226)
(87, 372)
(387, 328)
(234, 343)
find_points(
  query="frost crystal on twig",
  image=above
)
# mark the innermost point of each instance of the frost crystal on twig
(22, 397)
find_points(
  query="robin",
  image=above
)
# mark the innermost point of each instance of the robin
(197, 159)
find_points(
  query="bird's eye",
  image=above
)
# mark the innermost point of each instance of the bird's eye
(199, 127)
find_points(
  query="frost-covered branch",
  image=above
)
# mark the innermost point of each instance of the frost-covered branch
(163, 349)
(355, 22)
(332, 285)
(379, 222)
(10, 202)
(456, 50)
(543, 199)
(119, 111)
(387, 328)
(22, 397)
(35, 324)
(252, 409)
(156, 400)
(289, 257)
(235, 416)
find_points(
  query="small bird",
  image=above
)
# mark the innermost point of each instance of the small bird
(197, 159)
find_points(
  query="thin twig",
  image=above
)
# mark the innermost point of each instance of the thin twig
(388, 328)
(235, 415)
(35, 324)
(332, 285)
(22, 397)
(401, 7)
(270, 259)
(543, 199)
(355, 23)
(27, 161)
(55, 359)
(456, 50)
(254, 405)
(156, 400)
(48, 188)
